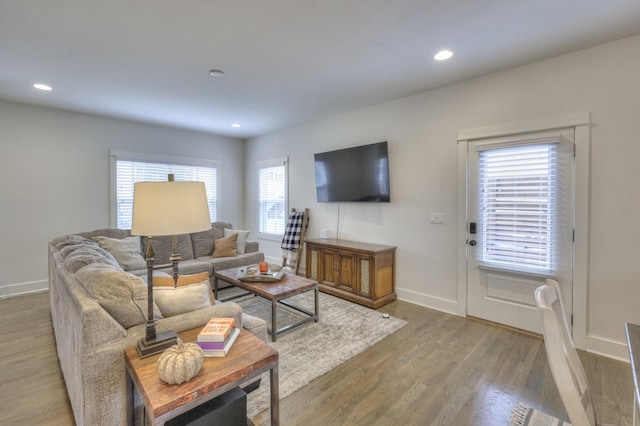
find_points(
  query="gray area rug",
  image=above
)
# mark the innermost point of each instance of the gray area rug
(345, 329)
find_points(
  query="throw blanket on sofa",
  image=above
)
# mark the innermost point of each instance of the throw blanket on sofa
(291, 238)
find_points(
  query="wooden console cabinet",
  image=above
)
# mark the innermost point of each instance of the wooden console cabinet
(360, 272)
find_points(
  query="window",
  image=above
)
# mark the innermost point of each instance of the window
(128, 172)
(518, 212)
(272, 196)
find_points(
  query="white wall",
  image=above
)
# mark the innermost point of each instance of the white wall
(55, 179)
(422, 132)
(55, 176)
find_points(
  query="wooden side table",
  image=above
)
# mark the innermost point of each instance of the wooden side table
(248, 358)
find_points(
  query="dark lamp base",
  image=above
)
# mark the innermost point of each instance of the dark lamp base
(162, 342)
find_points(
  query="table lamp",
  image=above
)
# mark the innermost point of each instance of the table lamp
(160, 209)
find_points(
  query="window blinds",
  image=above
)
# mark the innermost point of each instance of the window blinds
(272, 189)
(130, 172)
(518, 206)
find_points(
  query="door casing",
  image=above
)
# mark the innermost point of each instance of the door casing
(581, 122)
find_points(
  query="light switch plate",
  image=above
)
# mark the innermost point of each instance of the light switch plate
(437, 218)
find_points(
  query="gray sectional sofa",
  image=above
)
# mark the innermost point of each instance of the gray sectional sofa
(98, 310)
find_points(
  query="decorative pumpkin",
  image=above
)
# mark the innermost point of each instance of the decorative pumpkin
(180, 363)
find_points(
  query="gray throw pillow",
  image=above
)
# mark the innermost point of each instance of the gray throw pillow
(125, 250)
(121, 294)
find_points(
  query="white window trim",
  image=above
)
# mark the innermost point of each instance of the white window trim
(115, 155)
(272, 162)
(581, 122)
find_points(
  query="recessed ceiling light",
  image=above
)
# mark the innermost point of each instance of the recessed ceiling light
(216, 73)
(443, 55)
(235, 125)
(41, 86)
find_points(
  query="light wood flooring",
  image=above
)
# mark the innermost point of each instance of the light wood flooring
(438, 370)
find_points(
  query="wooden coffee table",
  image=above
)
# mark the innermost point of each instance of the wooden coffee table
(248, 358)
(276, 292)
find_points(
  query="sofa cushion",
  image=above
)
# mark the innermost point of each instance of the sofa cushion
(121, 294)
(225, 247)
(79, 259)
(220, 263)
(126, 251)
(67, 240)
(179, 300)
(255, 325)
(163, 246)
(252, 247)
(203, 241)
(87, 246)
(243, 236)
(79, 255)
(106, 232)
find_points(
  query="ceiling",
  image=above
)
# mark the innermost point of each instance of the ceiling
(285, 61)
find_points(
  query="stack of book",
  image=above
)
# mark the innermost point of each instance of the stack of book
(217, 337)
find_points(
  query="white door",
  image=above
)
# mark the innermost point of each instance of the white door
(519, 224)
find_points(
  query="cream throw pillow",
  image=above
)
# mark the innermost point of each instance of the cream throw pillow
(125, 250)
(183, 280)
(225, 247)
(243, 236)
(167, 281)
(174, 301)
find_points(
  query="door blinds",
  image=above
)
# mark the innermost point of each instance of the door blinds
(518, 205)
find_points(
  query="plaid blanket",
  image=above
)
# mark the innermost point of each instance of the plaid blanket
(291, 238)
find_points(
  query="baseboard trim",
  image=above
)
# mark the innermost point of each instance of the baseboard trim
(431, 302)
(506, 327)
(608, 348)
(23, 288)
(595, 344)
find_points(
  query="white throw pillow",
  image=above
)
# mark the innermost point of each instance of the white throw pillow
(125, 250)
(243, 236)
(178, 300)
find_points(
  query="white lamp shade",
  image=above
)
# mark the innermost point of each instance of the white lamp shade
(169, 208)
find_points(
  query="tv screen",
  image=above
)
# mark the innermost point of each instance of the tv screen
(360, 174)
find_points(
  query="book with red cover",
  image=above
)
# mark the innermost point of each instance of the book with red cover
(216, 330)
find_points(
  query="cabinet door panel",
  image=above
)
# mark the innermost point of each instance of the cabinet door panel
(329, 275)
(347, 272)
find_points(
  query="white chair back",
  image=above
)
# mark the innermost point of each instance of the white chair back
(566, 368)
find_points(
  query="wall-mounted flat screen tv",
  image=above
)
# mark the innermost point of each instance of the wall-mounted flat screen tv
(360, 174)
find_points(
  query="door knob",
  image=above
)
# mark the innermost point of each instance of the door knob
(472, 243)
